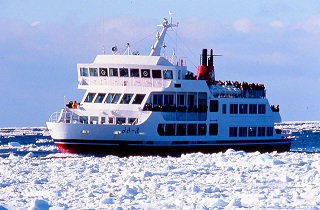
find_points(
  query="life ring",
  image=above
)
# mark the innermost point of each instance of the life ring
(145, 73)
(103, 72)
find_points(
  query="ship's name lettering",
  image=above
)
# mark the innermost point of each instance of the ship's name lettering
(130, 130)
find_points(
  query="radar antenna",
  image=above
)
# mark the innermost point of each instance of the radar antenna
(156, 48)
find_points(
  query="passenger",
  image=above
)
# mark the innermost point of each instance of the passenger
(187, 75)
(69, 105)
(75, 105)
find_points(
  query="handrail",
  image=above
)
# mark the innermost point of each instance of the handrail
(125, 81)
(54, 117)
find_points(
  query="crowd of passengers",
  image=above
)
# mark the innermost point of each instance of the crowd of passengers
(251, 90)
(174, 108)
(241, 86)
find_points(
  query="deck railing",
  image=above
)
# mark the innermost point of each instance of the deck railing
(125, 81)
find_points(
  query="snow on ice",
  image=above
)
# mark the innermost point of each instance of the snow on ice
(230, 180)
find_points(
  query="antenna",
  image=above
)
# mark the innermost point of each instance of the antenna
(128, 48)
(170, 14)
(156, 48)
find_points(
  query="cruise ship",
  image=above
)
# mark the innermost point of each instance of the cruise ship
(151, 105)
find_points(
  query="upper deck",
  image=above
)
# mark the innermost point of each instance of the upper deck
(129, 70)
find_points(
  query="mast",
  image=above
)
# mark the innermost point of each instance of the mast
(156, 48)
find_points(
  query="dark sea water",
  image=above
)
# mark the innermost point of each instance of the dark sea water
(42, 146)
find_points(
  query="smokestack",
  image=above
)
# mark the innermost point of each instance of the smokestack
(204, 57)
(210, 60)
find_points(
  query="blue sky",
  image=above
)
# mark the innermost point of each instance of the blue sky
(271, 42)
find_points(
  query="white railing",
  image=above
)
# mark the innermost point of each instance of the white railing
(125, 81)
(54, 117)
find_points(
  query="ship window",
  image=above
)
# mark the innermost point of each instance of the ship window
(269, 131)
(168, 100)
(110, 120)
(138, 98)
(84, 72)
(145, 73)
(252, 131)
(192, 129)
(113, 72)
(93, 72)
(126, 98)
(103, 120)
(243, 131)
(99, 98)
(170, 130)
(202, 129)
(252, 108)
(134, 73)
(94, 120)
(214, 105)
(124, 72)
(83, 119)
(120, 120)
(243, 108)
(224, 108)
(181, 129)
(213, 129)
(103, 72)
(191, 99)
(167, 74)
(113, 98)
(156, 73)
(261, 131)
(180, 99)
(89, 97)
(161, 129)
(202, 102)
(233, 108)
(233, 131)
(261, 109)
(157, 99)
(132, 121)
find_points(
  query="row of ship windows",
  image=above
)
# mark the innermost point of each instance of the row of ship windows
(126, 72)
(158, 99)
(109, 120)
(201, 130)
(181, 129)
(250, 131)
(113, 98)
(238, 108)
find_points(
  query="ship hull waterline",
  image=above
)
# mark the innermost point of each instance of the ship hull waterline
(123, 149)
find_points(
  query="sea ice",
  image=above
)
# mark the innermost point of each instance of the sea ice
(233, 179)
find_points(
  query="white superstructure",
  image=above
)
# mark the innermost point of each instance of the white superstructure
(138, 104)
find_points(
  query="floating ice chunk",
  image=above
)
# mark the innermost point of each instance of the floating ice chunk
(265, 157)
(106, 200)
(38, 204)
(285, 178)
(214, 202)
(147, 174)
(29, 155)
(14, 144)
(230, 151)
(126, 190)
(234, 202)
(278, 162)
